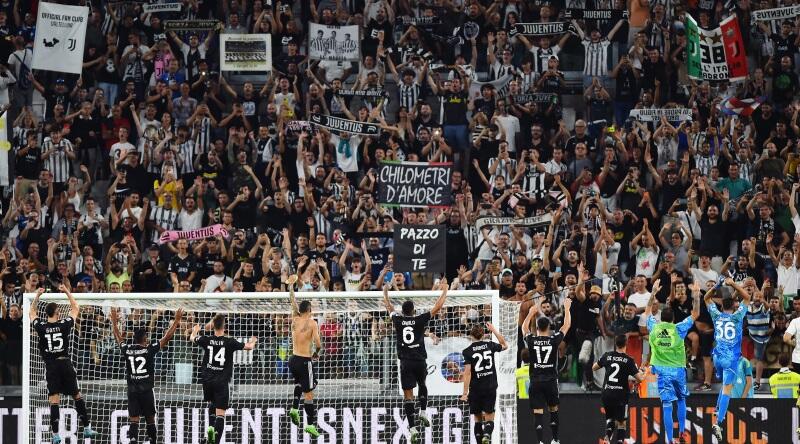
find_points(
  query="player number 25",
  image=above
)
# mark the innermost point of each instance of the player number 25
(486, 358)
(219, 357)
(726, 330)
(55, 343)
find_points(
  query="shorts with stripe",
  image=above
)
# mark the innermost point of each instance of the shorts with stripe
(302, 370)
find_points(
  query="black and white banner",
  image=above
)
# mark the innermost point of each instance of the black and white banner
(373, 93)
(420, 248)
(541, 98)
(533, 221)
(768, 15)
(540, 28)
(190, 25)
(60, 37)
(245, 52)
(345, 126)
(418, 21)
(500, 86)
(339, 43)
(595, 14)
(655, 114)
(154, 8)
(299, 125)
(415, 184)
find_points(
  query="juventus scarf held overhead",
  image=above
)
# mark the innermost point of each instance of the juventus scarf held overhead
(595, 14)
(533, 221)
(345, 126)
(535, 97)
(542, 28)
(416, 21)
(198, 233)
(190, 25)
(654, 114)
(374, 93)
(766, 15)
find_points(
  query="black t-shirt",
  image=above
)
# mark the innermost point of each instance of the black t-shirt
(715, 237)
(455, 107)
(183, 267)
(410, 332)
(543, 351)
(12, 330)
(480, 356)
(140, 365)
(218, 352)
(619, 367)
(682, 310)
(244, 213)
(54, 337)
(28, 165)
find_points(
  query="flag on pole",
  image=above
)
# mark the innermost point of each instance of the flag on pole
(740, 107)
(693, 64)
(735, 55)
(5, 147)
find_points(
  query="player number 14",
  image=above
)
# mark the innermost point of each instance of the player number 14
(219, 357)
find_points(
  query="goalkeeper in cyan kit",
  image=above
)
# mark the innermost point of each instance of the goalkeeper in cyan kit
(140, 374)
(54, 344)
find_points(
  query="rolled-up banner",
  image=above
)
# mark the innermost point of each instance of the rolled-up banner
(361, 93)
(541, 28)
(768, 15)
(595, 14)
(735, 55)
(345, 126)
(190, 25)
(154, 8)
(694, 64)
(655, 114)
(199, 233)
(415, 184)
(533, 221)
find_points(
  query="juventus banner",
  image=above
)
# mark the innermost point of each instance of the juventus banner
(417, 21)
(540, 28)
(542, 98)
(533, 221)
(60, 37)
(716, 54)
(420, 248)
(735, 55)
(595, 14)
(339, 43)
(767, 15)
(245, 52)
(154, 8)
(190, 25)
(655, 114)
(345, 126)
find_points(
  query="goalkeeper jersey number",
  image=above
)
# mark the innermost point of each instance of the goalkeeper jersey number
(217, 357)
(410, 333)
(140, 364)
(54, 337)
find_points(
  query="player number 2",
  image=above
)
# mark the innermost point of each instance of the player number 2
(219, 357)
(726, 330)
(408, 335)
(613, 376)
(55, 343)
(546, 349)
(137, 365)
(486, 358)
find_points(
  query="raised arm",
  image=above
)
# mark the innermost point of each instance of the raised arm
(386, 302)
(440, 302)
(500, 338)
(74, 308)
(526, 324)
(34, 312)
(567, 316)
(171, 330)
(290, 281)
(115, 326)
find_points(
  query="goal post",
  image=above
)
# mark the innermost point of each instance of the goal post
(359, 398)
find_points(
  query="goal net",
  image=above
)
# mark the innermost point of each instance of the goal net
(358, 396)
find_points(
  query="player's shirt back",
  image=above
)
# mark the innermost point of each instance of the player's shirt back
(410, 334)
(667, 348)
(619, 368)
(54, 337)
(218, 352)
(728, 332)
(480, 356)
(140, 365)
(543, 352)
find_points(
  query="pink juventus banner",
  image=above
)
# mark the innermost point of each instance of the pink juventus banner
(200, 233)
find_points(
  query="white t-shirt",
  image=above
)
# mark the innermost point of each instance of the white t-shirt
(190, 221)
(788, 278)
(116, 150)
(510, 125)
(352, 280)
(213, 282)
(702, 277)
(794, 330)
(646, 259)
(639, 299)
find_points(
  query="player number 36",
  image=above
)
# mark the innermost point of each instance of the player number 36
(725, 330)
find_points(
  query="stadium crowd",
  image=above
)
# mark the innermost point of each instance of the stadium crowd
(152, 138)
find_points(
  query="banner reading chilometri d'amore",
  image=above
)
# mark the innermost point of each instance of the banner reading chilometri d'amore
(415, 184)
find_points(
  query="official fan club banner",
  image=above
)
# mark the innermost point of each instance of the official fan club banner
(716, 54)
(655, 114)
(5, 147)
(420, 248)
(595, 14)
(500, 86)
(245, 52)
(540, 28)
(415, 184)
(345, 126)
(60, 37)
(198, 233)
(154, 8)
(774, 14)
(533, 221)
(190, 25)
(339, 43)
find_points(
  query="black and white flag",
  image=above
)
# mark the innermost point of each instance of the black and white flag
(340, 125)
(338, 43)
(420, 248)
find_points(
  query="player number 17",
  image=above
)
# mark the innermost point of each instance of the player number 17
(547, 349)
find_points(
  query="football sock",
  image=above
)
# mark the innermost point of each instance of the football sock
(411, 412)
(554, 424)
(151, 433)
(54, 417)
(133, 431)
(667, 421)
(681, 416)
(219, 427)
(80, 407)
(538, 421)
(298, 392)
(478, 431)
(311, 411)
(723, 407)
(488, 427)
